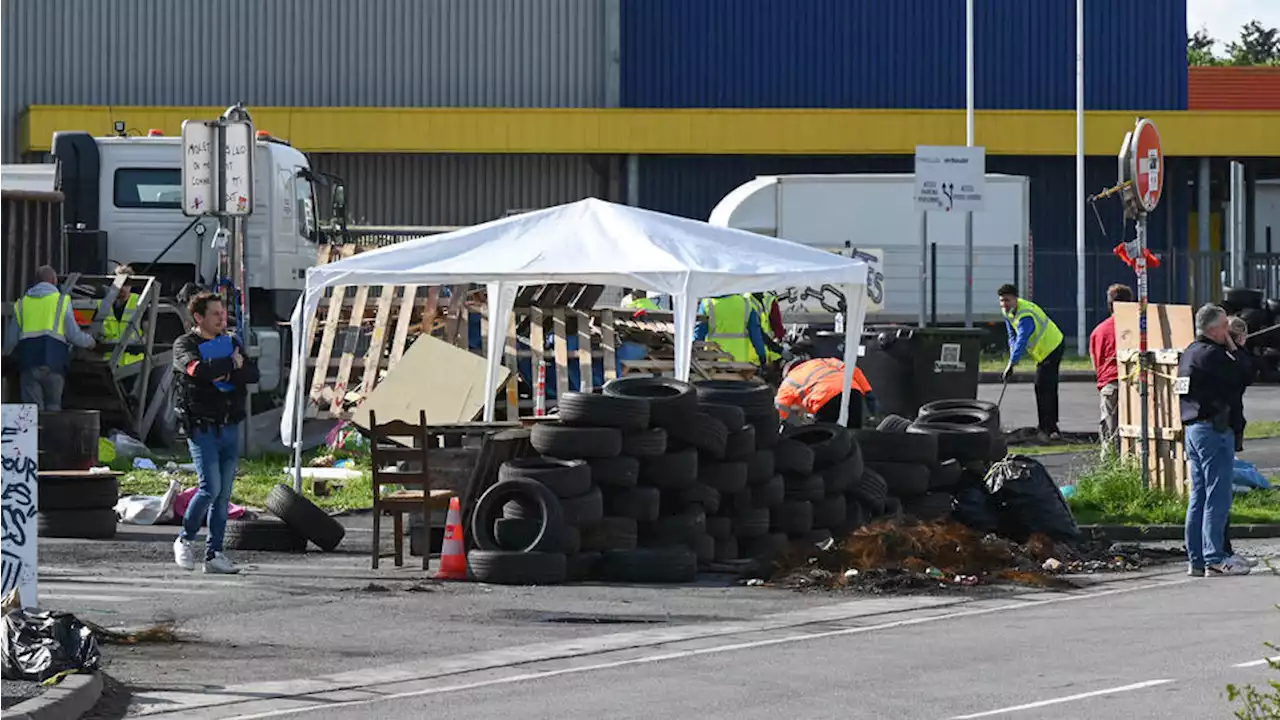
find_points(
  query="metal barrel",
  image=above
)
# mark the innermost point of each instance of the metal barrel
(68, 439)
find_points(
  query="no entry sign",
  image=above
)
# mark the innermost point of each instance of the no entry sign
(1147, 165)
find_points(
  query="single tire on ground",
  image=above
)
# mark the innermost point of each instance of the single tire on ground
(673, 564)
(809, 488)
(565, 478)
(575, 443)
(740, 444)
(644, 443)
(305, 518)
(93, 493)
(903, 479)
(517, 568)
(932, 506)
(883, 446)
(97, 524)
(671, 471)
(615, 472)
(727, 477)
(793, 456)
(829, 442)
(532, 501)
(793, 517)
(264, 534)
(638, 503)
(590, 410)
(893, 424)
(670, 400)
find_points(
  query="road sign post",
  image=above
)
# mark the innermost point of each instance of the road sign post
(950, 179)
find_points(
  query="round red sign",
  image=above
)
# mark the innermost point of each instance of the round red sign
(1147, 165)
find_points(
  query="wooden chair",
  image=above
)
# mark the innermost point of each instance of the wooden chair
(398, 463)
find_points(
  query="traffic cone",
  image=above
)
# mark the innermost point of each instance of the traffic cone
(453, 556)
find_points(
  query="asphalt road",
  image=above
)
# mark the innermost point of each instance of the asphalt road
(1155, 646)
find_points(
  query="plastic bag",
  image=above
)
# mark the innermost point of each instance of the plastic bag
(1028, 501)
(39, 644)
(1245, 474)
(128, 447)
(972, 508)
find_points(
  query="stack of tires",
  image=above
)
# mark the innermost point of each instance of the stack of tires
(80, 507)
(851, 497)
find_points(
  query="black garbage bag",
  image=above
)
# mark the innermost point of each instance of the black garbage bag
(1027, 501)
(973, 508)
(40, 644)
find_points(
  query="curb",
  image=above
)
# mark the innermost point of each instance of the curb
(71, 698)
(1065, 376)
(1138, 533)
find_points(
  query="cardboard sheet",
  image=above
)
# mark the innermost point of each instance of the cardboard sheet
(1169, 327)
(446, 381)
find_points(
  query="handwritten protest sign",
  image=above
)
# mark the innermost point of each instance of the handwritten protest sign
(18, 502)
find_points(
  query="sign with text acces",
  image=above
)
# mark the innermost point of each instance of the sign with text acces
(950, 178)
(19, 455)
(1147, 165)
(217, 168)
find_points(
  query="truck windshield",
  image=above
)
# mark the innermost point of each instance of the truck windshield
(306, 205)
(159, 188)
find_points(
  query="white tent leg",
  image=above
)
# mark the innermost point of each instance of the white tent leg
(502, 298)
(685, 316)
(853, 322)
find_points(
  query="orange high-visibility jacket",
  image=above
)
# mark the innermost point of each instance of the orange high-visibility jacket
(813, 383)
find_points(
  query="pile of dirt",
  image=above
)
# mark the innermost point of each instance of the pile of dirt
(897, 555)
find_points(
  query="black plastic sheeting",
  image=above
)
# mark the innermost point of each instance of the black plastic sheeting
(40, 644)
(1026, 501)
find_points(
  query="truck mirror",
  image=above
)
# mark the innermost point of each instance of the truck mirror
(339, 202)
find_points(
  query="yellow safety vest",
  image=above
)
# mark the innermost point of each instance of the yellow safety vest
(727, 326)
(112, 328)
(643, 303)
(42, 316)
(1046, 338)
(764, 309)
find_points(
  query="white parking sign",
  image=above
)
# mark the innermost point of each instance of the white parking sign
(950, 178)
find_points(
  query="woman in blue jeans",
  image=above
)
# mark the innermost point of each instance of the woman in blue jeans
(211, 374)
(1208, 384)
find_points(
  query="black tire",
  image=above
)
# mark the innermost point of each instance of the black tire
(644, 443)
(946, 476)
(305, 518)
(999, 448)
(611, 533)
(720, 528)
(793, 456)
(517, 568)
(830, 512)
(727, 477)
(679, 528)
(531, 496)
(98, 524)
(793, 517)
(671, 564)
(704, 548)
(740, 444)
(739, 393)
(698, 494)
(893, 424)
(1243, 298)
(769, 494)
(615, 472)
(575, 443)
(761, 467)
(735, 503)
(671, 471)
(751, 523)
(565, 478)
(768, 428)
(731, 415)
(586, 509)
(960, 403)
(856, 514)
(93, 493)
(810, 488)
(701, 431)
(871, 509)
(820, 535)
(670, 400)
(1255, 320)
(966, 443)
(726, 549)
(263, 534)
(764, 547)
(933, 506)
(638, 503)
(903, 479)
(871, 488)
(514, 534)
(582, 566)
(589, 410)
(892, 509)
(882, 446)
(829, 442)
(963, 416)
(841, 475)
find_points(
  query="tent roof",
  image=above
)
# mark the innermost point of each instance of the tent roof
(597, 242)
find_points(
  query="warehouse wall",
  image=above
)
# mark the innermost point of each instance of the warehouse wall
(900, 54)
(332, 53)
(416, 189)
(692, 185)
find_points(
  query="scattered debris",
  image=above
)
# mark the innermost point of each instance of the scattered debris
(375, 587)
(161, 633)
(421, 587)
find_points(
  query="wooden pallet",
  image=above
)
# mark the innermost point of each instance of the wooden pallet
(1166, 450)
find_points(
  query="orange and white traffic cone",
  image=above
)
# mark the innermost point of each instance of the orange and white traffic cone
(453, 555)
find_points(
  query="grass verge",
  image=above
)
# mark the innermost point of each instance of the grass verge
(996, 363)
(1033, 450)
(1260, 430)
(1111, 492)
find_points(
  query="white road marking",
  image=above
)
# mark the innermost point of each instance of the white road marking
(330, 704)
(1256, 663)
(1069, 698)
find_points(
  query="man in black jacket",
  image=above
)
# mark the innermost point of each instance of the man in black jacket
(210, 373)
(1209, 383)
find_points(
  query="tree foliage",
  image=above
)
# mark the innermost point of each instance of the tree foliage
(1257, 45)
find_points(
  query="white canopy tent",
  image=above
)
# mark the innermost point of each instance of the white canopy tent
(590, 242)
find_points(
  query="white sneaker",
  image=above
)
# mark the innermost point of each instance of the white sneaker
(184, 554)
(219, 564)
(1227, 567)
(1242, 560)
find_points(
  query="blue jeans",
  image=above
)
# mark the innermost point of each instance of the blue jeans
(215, 454)
(1210, 455)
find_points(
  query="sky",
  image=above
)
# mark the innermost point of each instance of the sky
(1223, 18)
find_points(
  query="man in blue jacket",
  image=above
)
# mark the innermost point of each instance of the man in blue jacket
(42, 330)
(1032, 334)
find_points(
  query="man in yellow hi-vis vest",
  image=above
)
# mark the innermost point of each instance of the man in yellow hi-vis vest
(1032, 334)
(766, 306)
(118, 319)
(42, 326)
(734, 325)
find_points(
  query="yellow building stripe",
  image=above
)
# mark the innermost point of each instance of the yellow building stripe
(1198, 133)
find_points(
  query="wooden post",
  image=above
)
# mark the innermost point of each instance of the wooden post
(561, 353)
(608, 343)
